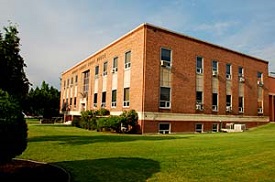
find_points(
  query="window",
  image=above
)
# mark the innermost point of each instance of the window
(96, 71)
(128, 59)
(165, 57)
(105, 67)
(228, 103)
(199, 63)
(76, 79)
(71, 101)
(114, 98)
(199, 97)
(75, 101)
(86, 76)
(68, 82)
(241, 72)
(199, 128)
(126, 101)
(241, 109)
(214, 102)
(103, 100)
(164, 97)
(215, 127)
(115, 65)
(95, 99)
(64, 85)
(228, 71)
(259, 75)
(72, 81)
(164, 128)
(215, 66)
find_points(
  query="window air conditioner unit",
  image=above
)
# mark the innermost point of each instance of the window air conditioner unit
(260, 110)
(260, 83)
(199, 107)
(240, 109)
(164, 64)
(242, 79)
(228, 76)
(199, 70)
(214, 108)
(228, 109)
(214, 73)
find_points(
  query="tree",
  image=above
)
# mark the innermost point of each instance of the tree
(13, 78)
(43, 101)
(13, 128)
(14, 86)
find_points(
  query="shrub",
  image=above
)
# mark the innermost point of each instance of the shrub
(102, 112)
(88, 120)
(130, 118)
(111, 122)
(13, 128)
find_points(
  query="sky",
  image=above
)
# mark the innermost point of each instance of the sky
(57, 34)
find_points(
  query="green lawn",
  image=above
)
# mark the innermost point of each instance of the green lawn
(92, 156)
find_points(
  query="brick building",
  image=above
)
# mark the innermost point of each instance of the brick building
(176, 83)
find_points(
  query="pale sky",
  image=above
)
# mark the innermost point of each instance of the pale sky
(57, 34)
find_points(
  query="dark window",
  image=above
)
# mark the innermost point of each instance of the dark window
(199, 128)
(95, 99)
(214, 66)
(228, 100)
(164, 128)
(76, 78)
(126, 101)
(86, 76)
(103, 101)
(164, 97)
(114, 98)
(105, 68)
(115, 64)
(199, 97)
(240, 72)
(96, 70)
(199, 64)
(166, 55)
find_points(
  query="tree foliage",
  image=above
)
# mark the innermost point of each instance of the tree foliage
(13, 78)
(13, 128)
(14, 86)
(43, 101)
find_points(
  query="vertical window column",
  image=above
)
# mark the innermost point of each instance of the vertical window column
(215, 86)
(127, 79)
(241, 89)
(199, 83)
(260, 84)
(165, 78)
(228, 86)
(96, 86)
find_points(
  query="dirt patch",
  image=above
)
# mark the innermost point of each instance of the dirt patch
(21, 170)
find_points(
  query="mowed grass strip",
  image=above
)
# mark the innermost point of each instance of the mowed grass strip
(93, 156)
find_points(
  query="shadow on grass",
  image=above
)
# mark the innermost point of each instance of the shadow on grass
(81, 140)
(111, 169)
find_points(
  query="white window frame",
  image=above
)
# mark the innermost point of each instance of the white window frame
(201, 131)
(128, 64)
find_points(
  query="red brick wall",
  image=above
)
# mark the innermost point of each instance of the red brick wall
(184, 52)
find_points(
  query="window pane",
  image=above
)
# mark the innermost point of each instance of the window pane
(199, 62)
(228, 100)
(126, 94)
(96, 70)
(164, 126)
(128, 57)
(215, 99)
(214, 65)
(259, 75)
(95, 98)
(164, 94)
(115, 62)
(105, 66)
(114, 96)
(240, 101)
(228, 69)
(240, 71)
(103, 96)
(199, 97)
(165, 55)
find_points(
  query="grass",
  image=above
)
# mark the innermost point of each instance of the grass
(92, 156)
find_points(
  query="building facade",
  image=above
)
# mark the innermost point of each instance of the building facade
(176, 83)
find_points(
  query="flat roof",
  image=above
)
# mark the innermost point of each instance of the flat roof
(168, 31)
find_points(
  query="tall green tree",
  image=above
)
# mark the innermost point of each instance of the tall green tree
(12, 75)
(43, 101)
(14, 87)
